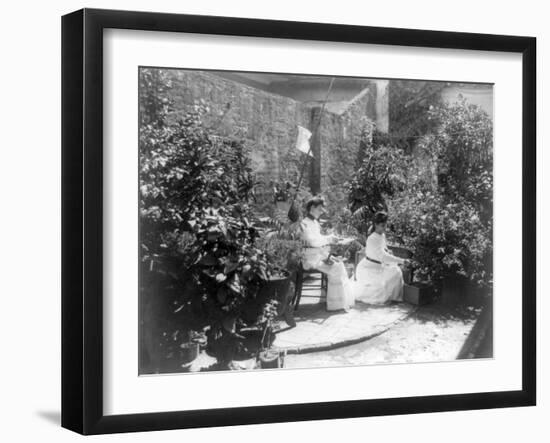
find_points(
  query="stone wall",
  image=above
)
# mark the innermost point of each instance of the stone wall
(268, 123)
(340, 135)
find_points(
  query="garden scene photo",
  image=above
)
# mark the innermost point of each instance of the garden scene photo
(302, 221)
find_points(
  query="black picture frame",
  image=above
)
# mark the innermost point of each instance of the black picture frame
(82, 220)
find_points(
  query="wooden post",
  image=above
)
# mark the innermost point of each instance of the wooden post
(315, 144)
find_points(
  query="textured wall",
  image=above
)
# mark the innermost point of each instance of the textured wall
(268, 122)
(340, 134)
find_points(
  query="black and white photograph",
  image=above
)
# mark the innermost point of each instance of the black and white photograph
(298, 221)
(265, 221)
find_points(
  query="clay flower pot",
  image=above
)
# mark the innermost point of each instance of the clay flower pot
(270, 359)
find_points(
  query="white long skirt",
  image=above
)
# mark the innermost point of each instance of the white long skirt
(378, 284)
(339, 288)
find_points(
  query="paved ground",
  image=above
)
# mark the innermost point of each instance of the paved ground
(397, 333)
(316, 328)
(430, 334)
(368, 334)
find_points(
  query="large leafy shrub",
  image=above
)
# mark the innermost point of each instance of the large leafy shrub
(449, 226)
(197, 230)
(409, 114)
(448, 239)
(439, 199)
(184, 169)
(462, 150)
(378, 177)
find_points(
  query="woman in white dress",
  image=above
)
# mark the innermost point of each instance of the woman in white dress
(316, 255)
(379, 277)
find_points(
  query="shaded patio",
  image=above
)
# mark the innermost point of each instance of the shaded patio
(319, 330)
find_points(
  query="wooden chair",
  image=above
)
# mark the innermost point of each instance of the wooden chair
(302, 274)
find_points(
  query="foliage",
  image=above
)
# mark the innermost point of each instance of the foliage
(154, 103)
(411, 101)
(183, 169)
(269, 312)
(448, 239)
(225, 261)
(449, 227)
(282, 247)
(335, 197)
(462, 149)
(439, 200)
(282, 192)
(379, 176)
(197, 230)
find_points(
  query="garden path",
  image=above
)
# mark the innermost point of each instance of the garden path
(397, 333)
(319, 330)
(432, 333)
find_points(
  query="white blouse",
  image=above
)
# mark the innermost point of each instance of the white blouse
(311, 234)
(377, 249)
(316, 244)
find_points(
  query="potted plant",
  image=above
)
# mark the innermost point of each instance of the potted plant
(181, 348)
(228, 271)
(268, 358)
(283, 254)
(190, 348)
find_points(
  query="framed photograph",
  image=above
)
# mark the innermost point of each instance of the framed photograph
(269, 221)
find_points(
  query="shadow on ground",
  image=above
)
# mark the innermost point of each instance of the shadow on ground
(317, 313)
(460, 309)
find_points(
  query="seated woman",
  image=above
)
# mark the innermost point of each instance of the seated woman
(316, 255)
(379, 278)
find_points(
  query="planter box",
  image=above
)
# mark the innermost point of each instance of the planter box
(418, 294)
(460, 290)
